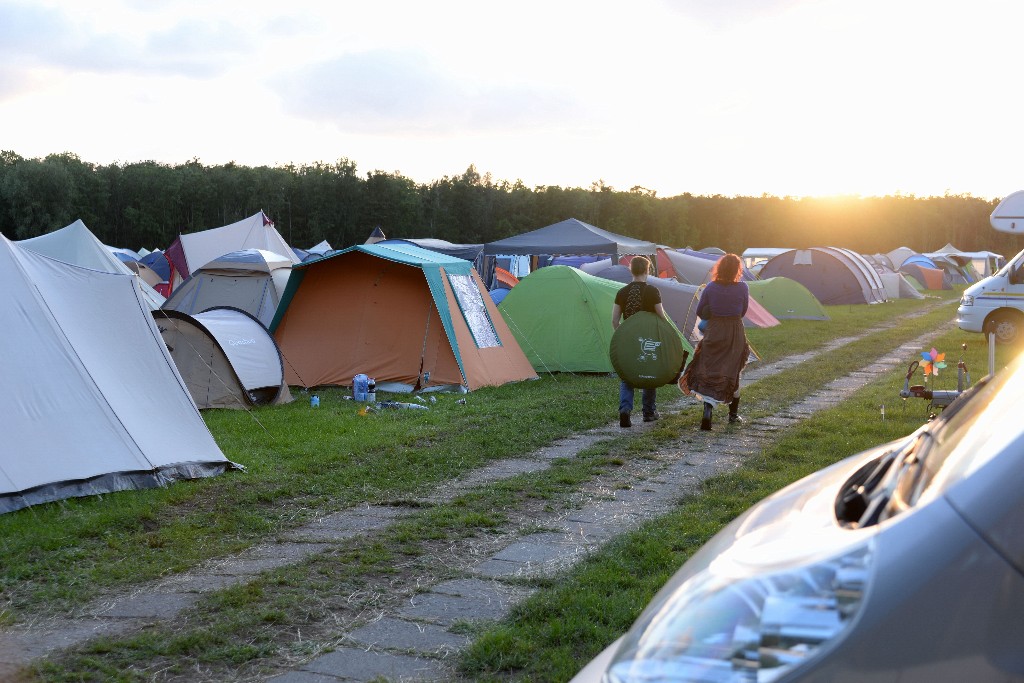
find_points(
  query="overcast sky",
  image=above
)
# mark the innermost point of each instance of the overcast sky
(732, 97)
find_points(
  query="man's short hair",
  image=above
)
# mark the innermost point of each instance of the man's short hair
(639, 265)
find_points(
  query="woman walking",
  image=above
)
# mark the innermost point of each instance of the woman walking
(713, 375)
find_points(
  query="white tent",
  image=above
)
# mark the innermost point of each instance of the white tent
(252, 280)
(190, 252)
(75, 244)
(77, 419)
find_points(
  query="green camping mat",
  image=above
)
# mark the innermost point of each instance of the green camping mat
(646, 351)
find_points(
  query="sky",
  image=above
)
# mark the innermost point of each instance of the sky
(708, 97)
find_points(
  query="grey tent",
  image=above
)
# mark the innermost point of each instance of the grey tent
(250, 279)
(76, 419)
(570, 236)
(226, 357)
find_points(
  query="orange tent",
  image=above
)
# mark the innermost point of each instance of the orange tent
(411, 318)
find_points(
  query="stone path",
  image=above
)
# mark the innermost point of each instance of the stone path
(413, 641)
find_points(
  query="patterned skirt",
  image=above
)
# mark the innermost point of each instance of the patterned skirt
(714, 372)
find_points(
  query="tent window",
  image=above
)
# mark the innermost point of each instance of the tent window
(474, 311)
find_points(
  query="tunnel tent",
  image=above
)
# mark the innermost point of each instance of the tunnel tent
(226, 357)
(832, 274)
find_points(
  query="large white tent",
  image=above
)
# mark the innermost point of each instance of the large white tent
(77, 420)
(194, 250)
(75, 244)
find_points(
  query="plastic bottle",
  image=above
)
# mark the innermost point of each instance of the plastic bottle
(359, 386)
(314, 401)
(371, 390)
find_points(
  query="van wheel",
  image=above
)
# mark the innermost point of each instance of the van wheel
(1008, 326)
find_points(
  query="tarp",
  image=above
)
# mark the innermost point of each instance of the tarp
(561, 317)
(834, 275)
(786, 299)
(570, 236)
(194, 250)
(75, 244)
(411, 318)
(226, 357)
(77, 420)
(252, 280)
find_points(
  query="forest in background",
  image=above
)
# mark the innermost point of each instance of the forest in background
(148, 204)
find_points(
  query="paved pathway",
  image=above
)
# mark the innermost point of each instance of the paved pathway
(413, 640)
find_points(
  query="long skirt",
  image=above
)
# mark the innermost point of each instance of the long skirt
(714, 372)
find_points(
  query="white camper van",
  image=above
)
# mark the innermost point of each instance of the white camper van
(996, 304)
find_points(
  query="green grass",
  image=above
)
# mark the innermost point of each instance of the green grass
(300, 460)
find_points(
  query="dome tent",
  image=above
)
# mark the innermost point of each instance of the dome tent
(226, 357)
(252, 280)
(561, 317)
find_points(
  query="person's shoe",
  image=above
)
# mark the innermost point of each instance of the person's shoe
(734, 409)
(651, 417)
(705, 422)
(624, 420)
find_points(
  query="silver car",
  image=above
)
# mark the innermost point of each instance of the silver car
(903, 563)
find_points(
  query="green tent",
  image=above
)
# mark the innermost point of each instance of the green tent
(562, 319)
(786, 298)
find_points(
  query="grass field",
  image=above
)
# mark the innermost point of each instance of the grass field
(301, 461)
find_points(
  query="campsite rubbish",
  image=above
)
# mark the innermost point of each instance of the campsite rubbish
(461, 401)
(399, 405)
(420, 399)
(360, 387)
(314, 401)
(433, 399)
(371, 390)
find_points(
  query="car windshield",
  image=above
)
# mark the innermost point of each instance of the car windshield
(967, 435)
(974, 428)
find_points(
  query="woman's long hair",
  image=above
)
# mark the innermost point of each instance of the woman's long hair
(727, 270)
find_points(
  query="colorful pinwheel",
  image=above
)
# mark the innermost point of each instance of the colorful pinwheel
(932, 363)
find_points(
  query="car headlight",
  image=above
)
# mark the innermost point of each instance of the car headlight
(967, 300)
(718, 628)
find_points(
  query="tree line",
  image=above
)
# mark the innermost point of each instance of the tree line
(148, 204)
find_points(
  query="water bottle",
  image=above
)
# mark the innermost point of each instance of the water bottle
(359, 387)
(371, 390)
(314, 401)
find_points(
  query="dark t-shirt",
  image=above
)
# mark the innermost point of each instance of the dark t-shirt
(636, 297)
